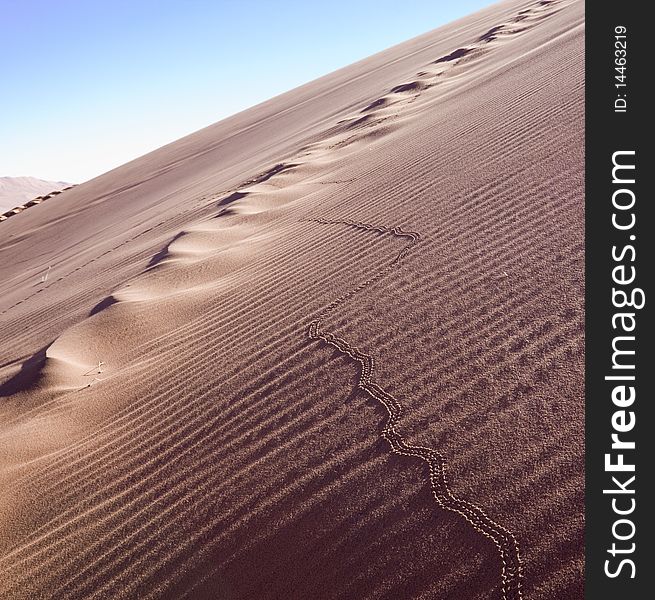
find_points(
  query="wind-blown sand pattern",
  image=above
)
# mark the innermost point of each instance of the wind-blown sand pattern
(504, 540)
(331, 347)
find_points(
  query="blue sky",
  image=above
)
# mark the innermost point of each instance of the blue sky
(89, 84)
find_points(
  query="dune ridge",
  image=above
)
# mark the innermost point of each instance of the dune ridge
(18, 193)
(188, 437)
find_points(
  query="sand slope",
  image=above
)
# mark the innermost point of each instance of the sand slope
(330, 347)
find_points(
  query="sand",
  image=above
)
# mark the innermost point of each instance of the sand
(15, 191)
(329, 347)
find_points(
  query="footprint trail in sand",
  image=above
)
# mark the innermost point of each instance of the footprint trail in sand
(197, 450)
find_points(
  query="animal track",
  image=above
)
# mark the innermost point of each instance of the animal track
(367, 127)
(346, 132)
(503, 539)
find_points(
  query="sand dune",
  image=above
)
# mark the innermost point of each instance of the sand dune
(330, 347)
(15, 191)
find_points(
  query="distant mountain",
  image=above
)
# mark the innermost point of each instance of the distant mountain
(18, 190)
